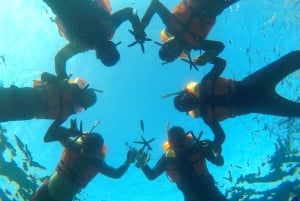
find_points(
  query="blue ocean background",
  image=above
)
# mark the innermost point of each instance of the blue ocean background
(261, 151)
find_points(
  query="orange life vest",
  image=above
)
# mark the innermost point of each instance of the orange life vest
(220, 86)
(73, 166)
(196, 160)
(59, 102)
(191, 24)
(104, 4)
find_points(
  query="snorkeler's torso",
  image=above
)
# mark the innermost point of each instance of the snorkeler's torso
(76, 168)
(218, 99)
(189, 24)
(73, 173)
(86, 23)
(185, 168)
(56, 103)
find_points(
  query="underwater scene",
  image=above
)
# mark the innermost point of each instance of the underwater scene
(145, 75)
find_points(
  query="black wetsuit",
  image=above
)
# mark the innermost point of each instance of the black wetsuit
(254, 94)
(87, 25)
(210, 9)
(54, 133)
(33, 102)
(193, 187)
(20, 103)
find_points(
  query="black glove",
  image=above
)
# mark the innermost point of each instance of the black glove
(140, 37)
(205, 58)
(73, 131)
(131, 155)
(212, 152)
(142, 158)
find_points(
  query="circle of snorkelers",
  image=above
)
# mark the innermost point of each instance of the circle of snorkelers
(90, 25)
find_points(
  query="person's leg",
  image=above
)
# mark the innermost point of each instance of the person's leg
(280, 106)
(207, 190)
(264, 81)
(215, 7)
(156, 7)
(42, 193)
(273, 73)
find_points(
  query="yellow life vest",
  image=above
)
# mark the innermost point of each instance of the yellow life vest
(193, 88)
(196, 160)
(165, 36)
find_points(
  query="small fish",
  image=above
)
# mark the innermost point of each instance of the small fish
(142, 125)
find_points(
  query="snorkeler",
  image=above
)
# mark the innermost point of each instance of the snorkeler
(50, 98)
(187, 28)
(89, 25)
(82, 159)
(216, 98)
(184, 162)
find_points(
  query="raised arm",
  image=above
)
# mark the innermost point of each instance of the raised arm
(156, 171)
(58, 133)
(216, 71)
(156, 7)
(219, 134)
(125, 14)
(61, 59)
(120, 171)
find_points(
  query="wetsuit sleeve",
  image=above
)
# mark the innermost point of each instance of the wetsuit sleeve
(57, 133)
(216, 71)
(113, 172)
(61, 59)
(50, 78)
(213, 48)
(156, 7)
(156, 171)
(126, 14)
(219, 135)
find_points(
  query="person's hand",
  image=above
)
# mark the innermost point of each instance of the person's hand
(73, 128)
(142, 159)
(131, 155)
(212, 152)
(201, 60)
(140, 37)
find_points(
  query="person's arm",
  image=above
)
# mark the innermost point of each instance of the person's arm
(61, 59)
(219, 135)
(55, 132)
(115, 173)
(130, 14)
(156, 7)
(58, 133)
(125, 14)
(229, 2)
(156, 171)
(212, 50)
(216, 71)
(50, 78)
(118, 172)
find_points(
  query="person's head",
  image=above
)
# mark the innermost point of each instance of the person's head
(171, 49)
(176, 138)
(185, 102)
(85, 98)
(107, 52)
(93, 146)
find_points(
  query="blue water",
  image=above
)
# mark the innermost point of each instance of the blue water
(261, 152)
